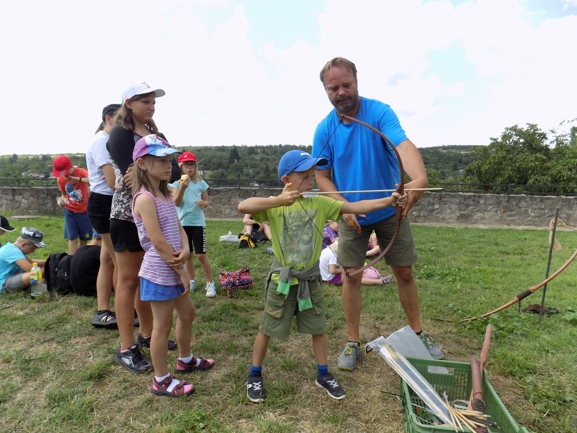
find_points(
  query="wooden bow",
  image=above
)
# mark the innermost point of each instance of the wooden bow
(527, 292)
(400, 190)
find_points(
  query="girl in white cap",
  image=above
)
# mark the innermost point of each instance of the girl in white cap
(133, 121)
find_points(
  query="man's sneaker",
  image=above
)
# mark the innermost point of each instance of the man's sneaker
(331, 386)
(210, 290)
(106, 320)
(433, 349)
(187, 367)
(254, 390)
(192, 285)
(133, 360)
(145, 342)
(350, 357)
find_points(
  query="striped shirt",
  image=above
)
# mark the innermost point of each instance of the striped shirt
(153, 267)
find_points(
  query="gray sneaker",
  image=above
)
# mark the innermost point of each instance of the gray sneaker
(433, 349)
(350, 357)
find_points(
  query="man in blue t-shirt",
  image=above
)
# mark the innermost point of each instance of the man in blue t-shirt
(15, 265)
(359, 159)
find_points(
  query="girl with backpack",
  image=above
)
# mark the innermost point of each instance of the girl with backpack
(163, 278)
(191, 198)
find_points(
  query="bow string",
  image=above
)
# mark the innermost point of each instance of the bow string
(400, 190)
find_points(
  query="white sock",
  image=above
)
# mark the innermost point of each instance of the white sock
(160, 379)
(187, 359)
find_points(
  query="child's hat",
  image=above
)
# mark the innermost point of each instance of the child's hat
(187, 157)
(33, 235)
(5, 225)
(297, 160)
(61, 165)
(152, 145)
(140, 89)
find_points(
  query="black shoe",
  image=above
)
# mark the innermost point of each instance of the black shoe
(331, 386)
(133, 360)
(145, 342)
(254, 390)
(106, 320)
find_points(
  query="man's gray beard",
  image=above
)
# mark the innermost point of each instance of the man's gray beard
(351, 103)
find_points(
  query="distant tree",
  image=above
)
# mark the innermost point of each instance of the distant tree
(233, 156)
(520, 156)
(14, 158)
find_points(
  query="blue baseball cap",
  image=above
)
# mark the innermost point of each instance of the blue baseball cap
(297, 160)
(152, 145)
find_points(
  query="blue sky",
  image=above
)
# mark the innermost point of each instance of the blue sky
(246, 72)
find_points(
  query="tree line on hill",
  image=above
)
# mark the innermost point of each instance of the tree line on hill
(520, 156)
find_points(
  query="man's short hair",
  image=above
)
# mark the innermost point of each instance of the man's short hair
(338, 62)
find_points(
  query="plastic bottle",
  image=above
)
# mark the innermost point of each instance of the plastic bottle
(37, 286)
(35, 274)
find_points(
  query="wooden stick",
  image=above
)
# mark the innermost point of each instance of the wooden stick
(367, 190)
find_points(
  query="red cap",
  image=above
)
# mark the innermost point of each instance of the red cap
(60, 164)
(187, 157)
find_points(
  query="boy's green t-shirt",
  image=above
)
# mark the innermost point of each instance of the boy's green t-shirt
(297, 230)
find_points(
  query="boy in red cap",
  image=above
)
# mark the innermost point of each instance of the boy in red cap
(73, 184)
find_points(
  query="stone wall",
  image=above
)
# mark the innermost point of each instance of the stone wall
(486, 210)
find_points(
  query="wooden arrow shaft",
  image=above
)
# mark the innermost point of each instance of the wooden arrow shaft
(367, 190)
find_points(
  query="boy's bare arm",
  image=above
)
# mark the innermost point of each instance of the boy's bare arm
(256, 204)
(366, 206)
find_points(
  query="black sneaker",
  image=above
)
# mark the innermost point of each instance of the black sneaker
(133, 360)
(254, 390)
(145, 342)
(331, 386)
(106, 320)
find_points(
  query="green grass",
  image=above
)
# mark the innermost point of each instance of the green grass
(58, 373)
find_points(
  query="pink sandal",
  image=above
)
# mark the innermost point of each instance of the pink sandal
(161, 388)
(187, 367)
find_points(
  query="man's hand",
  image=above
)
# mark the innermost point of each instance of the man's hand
(351, 220)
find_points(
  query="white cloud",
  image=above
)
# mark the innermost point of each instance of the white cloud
(64, 60)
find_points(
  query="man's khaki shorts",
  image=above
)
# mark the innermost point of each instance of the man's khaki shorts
(279, 312)
(353, 246)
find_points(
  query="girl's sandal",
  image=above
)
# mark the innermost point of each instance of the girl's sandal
(161, 388)
(205, 364)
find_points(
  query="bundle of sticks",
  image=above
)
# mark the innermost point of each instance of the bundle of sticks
(469, 419)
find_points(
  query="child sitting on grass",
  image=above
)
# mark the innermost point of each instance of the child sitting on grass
(293, 286)
(332, 271)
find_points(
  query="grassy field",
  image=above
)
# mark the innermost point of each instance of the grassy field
(58, 373)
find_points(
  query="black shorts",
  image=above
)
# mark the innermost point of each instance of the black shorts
(196, 238)
(124, 236)
(98, 209)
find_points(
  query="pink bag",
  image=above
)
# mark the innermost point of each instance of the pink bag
(371, 273)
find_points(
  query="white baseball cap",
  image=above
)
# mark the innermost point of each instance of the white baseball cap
(140, 89)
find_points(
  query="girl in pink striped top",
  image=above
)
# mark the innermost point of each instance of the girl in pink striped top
(163, 277)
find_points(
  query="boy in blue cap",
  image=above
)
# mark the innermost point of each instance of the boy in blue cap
(293, 286)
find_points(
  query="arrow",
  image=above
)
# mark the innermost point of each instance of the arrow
(312, 193)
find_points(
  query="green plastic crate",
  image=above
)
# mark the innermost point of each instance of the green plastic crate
(457, 384)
